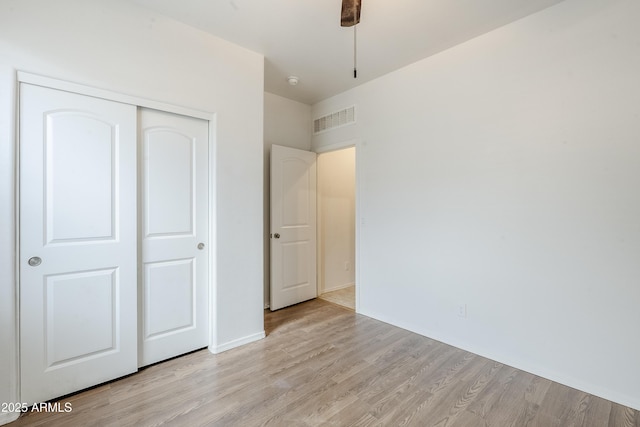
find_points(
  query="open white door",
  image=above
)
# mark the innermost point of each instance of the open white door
(175, 248)
(293, 226)
(78, 278)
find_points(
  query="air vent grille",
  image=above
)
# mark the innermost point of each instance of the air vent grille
(334, 120)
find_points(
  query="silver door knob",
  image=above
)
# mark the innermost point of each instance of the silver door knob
(35, 261)
(201, 246)
(277, 235)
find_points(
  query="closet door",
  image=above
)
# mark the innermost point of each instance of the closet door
(174, 313)
(78, 253)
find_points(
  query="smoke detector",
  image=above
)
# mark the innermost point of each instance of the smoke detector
(293, 80)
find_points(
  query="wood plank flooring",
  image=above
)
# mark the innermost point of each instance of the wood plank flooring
(324, 365)
(345, 297)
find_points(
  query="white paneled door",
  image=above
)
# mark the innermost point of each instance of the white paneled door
(114, 239)
(174, 228)
(78, 242)
(293, 226)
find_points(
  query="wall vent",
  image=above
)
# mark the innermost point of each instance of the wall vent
(334, 120)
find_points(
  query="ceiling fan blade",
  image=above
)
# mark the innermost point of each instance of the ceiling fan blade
(350, 13)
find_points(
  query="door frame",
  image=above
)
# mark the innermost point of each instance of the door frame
(358, 144)
(11, 80)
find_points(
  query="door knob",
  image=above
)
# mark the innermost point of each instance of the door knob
(277, 235)
(35, 261)
(201, 246)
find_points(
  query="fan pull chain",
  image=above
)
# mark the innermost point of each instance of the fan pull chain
(355, 52)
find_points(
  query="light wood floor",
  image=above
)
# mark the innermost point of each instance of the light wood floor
(345, 297)
(324, 365)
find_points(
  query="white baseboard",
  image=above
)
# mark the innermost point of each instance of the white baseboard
(8, 417)
(237, 342)
(527, 366)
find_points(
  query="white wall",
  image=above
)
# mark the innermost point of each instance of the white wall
(123, 48)
(504, 174)
(8, 338)
(336, 219)
(287, 123)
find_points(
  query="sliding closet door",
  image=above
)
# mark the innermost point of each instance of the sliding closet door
(78, 253)
(174, 227)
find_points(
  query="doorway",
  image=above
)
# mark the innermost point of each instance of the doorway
(336, 195)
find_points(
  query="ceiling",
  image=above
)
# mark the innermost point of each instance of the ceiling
(304, 38)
